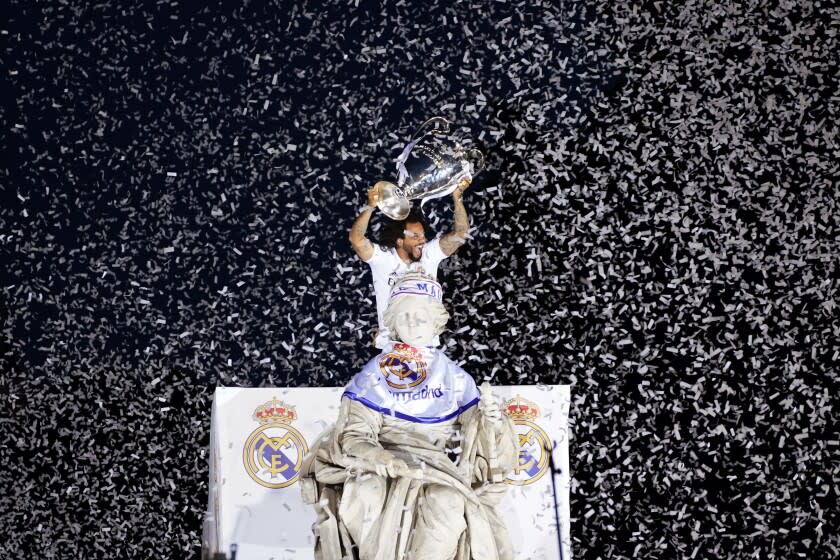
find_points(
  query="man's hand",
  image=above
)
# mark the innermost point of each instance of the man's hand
(374, 194)
(450, 242)
(358, 232)
(462, 186)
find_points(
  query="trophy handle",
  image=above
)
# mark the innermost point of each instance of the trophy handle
(391, 201)
(439, 125)
(476, 160)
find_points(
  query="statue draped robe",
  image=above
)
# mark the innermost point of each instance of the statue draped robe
(441, 509)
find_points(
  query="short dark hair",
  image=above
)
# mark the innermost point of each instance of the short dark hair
(395, 229)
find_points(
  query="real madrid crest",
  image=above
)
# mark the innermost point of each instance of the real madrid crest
(273, 453)
(403, 367)
(534, 443)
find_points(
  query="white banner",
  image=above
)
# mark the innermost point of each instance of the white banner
(260, 436)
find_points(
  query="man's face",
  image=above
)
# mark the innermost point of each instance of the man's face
(413, 240)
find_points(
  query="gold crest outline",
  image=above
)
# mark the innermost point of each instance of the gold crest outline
(253, 465)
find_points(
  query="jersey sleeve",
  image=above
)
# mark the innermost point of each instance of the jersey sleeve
(471, 393)
(434, 252)
(378, 255)
(468, 393)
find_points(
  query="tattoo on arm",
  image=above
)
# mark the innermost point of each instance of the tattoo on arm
(462, 221)
(360, 243)
(360, 226)
(449, 243)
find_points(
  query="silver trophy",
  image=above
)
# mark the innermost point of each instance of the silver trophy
(431, 165)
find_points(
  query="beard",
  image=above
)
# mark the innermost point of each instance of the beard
(419, 254)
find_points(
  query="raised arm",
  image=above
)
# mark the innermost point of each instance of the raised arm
(450, 242)
(361, 244)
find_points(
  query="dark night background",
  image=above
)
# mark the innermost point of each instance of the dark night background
(657, 226)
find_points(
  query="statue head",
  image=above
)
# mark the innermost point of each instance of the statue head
(415, 312)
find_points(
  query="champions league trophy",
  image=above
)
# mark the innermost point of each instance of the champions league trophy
(431, 166)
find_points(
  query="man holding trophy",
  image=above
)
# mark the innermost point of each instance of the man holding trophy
(414, 466)
(430, 166)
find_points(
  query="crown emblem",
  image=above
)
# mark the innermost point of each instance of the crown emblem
(521, 409)
(274, 411)
(408, 351)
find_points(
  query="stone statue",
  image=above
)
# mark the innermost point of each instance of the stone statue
(414, 466)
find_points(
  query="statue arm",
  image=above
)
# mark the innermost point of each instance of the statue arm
(450, 242)
(360, 439)
(491, 446)
(507, 445)
(499, 428)
(360, 433)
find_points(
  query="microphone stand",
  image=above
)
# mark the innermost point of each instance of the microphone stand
(554, 471)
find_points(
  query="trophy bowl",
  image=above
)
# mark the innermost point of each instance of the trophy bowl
(390, 202)
(431, 165)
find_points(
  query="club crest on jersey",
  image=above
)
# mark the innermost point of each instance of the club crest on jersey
(274, 451)
(403, 367)
(534, 443)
